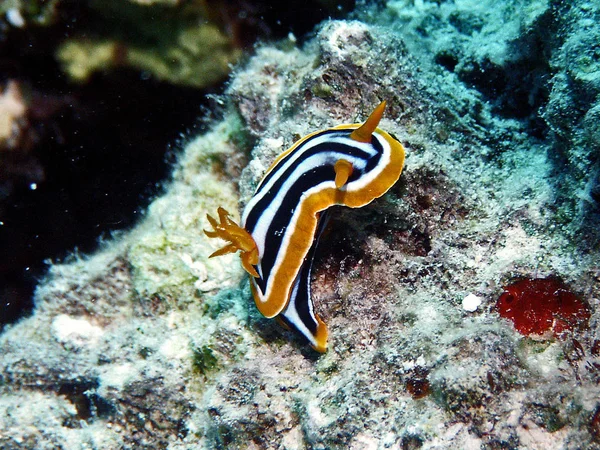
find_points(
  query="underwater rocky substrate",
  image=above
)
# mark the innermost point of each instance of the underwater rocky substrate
(170, 352)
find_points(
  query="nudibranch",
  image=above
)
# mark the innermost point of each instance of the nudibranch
(349, 165)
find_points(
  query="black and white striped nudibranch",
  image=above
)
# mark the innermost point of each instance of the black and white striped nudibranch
(348, 165)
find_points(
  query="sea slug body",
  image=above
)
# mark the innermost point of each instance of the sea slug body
(348, 165)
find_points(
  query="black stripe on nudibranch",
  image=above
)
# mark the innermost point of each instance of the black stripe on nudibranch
(299, 313)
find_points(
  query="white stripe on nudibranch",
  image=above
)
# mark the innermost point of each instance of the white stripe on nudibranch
(369, 177)
(313, 175)
(308, 145)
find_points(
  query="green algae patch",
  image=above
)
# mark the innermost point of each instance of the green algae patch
(204, 360)
(181, 48)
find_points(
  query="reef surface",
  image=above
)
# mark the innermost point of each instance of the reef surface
(150, 344)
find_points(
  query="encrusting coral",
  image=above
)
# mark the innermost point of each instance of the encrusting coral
(150, 343)
(539, 305)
